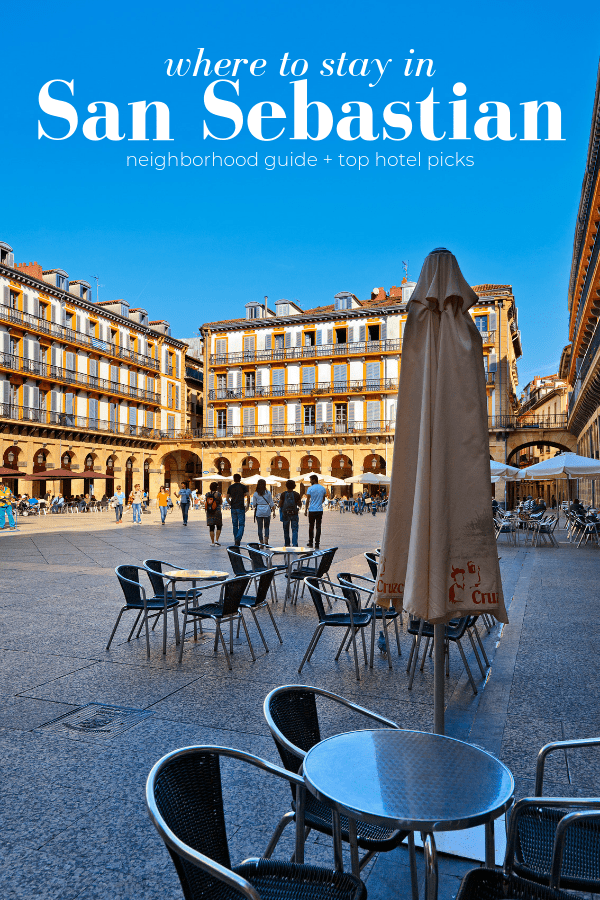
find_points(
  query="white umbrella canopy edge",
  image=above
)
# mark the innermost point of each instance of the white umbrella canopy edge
(570, 464)
(503, 470)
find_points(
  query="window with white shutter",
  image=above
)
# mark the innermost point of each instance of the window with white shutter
(319, 338)
(392, 420)
(177, 366)
(329, 413)
(78, 325)
(351, 416)
(248, 420)
(93, 368)
(278, 381)
(113, 414)
(149, 419)
(69, 403)
(211, 384)
(249, 346)
(340, 375)
(351, 335)
(492, 321)
(298, 339)
(308, 376)
(171, 425)
(493, 362)
(383, 330)
(114, 374)
(230, 381)
(132, 418)
(268, 341)
(26, 403)
(288, 339)
(373, 370)
(319, 407)
(6, 297)
(362, 333)
(35, 402)
(133, 380)
(70, 362)
(177, 400)
(55, 402)
(170, 395)
(221, 347)
(373, 407)
(330, 335)
(229, 417)
(278, 419)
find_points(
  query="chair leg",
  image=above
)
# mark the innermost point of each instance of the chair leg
(148, 635)
(362, 634)
(397, 637)
(219, 634)
(466, 665)
(355, 654)
(231, 636)
(481, 647)
(414, 875)
(281, 826)
(274, 624)
(165, 631)
(182, 635)
(137, 619)
(176, 620)
(248, 637)
(373, 621)
(415, 656)
(117, 625)
(476, 654)
(311, 646)
(422, 666)
(387, 639)
(262, 637)
(341, 647)
(216, 640)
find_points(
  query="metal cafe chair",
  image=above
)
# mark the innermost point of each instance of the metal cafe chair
(317, 565)
(262, 560)
(240, 556)
(545, 530)
(293, 719)
(454, 631)
(355, 619)
(352, 590)
(258, 600)
(227, 609)
(136, 598)
(550, 841)
(184, 798)
(543, 824)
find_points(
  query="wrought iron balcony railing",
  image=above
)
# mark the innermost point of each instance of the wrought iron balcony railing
(376, 426)
(512, 423)
(70, 420)
(38, 369)
(62, 333)
(320, 388)
(355, 348)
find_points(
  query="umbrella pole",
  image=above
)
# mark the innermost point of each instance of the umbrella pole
(438, 678)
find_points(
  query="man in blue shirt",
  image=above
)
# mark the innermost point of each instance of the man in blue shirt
(119, 502)
(185, 496)
(314, 510)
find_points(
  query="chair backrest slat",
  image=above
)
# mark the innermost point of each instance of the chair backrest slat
(236, 558)
(232, 592)
(295, 714)
(372, 560)
(154, 567)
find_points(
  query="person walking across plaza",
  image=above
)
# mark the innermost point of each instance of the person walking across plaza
(6, 497)
(263, 507)
(314, 510)
(135, 498)
(238, 496)
(213, 502)
(119, 502)
(163, 503)
(185, 497)
(289, 509)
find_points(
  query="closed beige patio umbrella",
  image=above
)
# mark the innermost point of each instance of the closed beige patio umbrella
(438, 557)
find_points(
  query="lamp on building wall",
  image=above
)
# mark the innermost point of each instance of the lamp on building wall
(129, 465)
(10, 457)
(40, 459)
(221, 465)
(279, 463)
(309, 462)
(374, 462)
(250, 463)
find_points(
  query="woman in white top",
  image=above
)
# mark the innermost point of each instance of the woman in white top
(263, 506)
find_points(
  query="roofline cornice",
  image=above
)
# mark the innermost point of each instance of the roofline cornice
(87, 305)
(245, 324)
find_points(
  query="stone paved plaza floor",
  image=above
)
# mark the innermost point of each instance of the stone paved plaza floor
(73, 817)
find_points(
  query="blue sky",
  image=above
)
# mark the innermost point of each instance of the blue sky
(195, 244)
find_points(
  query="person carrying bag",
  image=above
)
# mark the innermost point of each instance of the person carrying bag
(263, 507)
(289, 509)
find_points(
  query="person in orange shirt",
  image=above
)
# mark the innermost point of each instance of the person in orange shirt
(163, 503)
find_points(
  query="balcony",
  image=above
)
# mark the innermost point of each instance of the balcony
(320, 351)
(488, 337)
(376, 426)
(62, 333)
(304, 390)
(69, 420)
(512, 423)
(35, 369)
(490, 379)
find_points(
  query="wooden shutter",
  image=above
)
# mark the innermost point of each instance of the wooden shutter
(493, 362)
(70, 361)
(319, 337)
(55, 401)
(114, 374)
(278, 378)
(6, 295)
(268, 341)
(288, 339)
(492, 321)
(340, 374)
(329, 413)
(132, 415)
(298, 339)
(373, 371)
(350, 335)
(362, 333)
(177, 366)
(308, 375)
(177, 396)
(211, 382)
(319, 413)
(93, 412)
(373, 407)
(383, 330)
(35, 398)
(248, 419)
(278, 418)
(229, 417)
(149, 419)
(330, 335)
(69, 402)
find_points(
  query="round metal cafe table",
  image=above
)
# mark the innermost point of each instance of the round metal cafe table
(172, 576)
(409, 780)
(288, 557)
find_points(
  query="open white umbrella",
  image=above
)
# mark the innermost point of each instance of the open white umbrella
(365, 478)
(269, 479)
(570, 464)
(503, 470)
(439, 557)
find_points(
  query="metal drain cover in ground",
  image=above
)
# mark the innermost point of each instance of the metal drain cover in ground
(96, 721)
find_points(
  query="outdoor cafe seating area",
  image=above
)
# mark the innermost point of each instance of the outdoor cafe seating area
(412, 783)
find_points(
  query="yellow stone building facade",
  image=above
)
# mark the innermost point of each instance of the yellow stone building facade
(95, 388)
